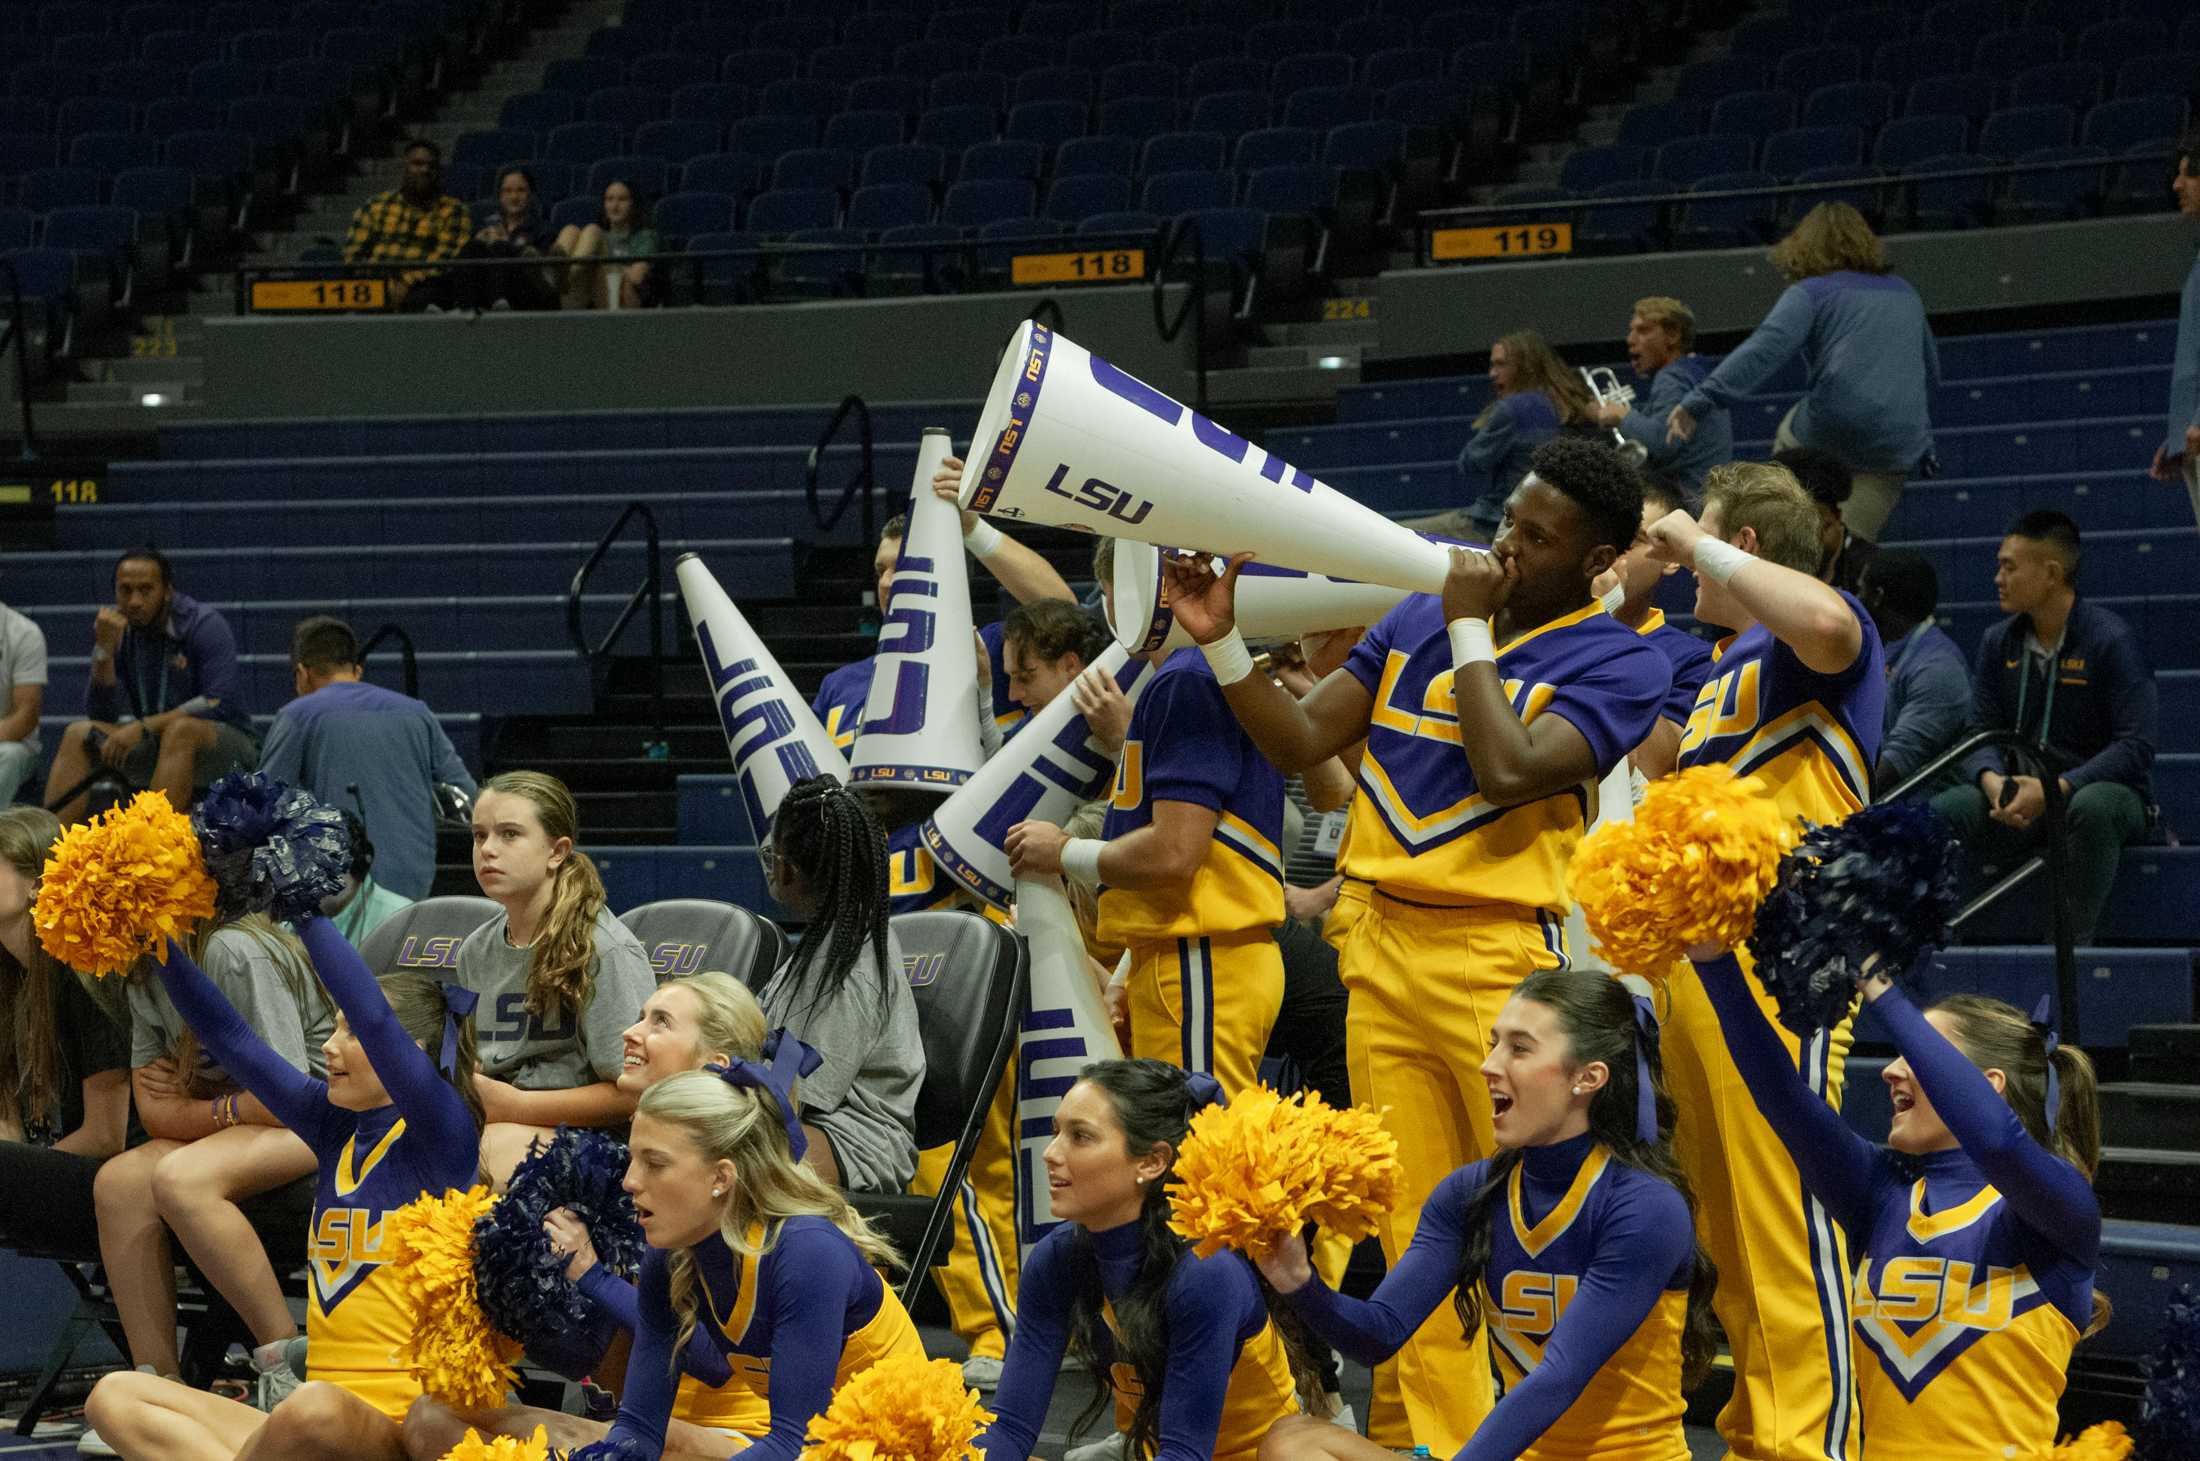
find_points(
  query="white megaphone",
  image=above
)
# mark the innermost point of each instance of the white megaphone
(920, 728)
(1068, 439)
(1065, 1028)
(1273, 604)
(1051, 766)
(771, 733)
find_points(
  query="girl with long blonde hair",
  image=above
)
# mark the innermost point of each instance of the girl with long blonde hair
(559, 977)
(1537, 396)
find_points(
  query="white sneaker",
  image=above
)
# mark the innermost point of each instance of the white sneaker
(89, 1444)
(1108, 1448)
(1346, 1418)
(982, 1372)
(274, 1383)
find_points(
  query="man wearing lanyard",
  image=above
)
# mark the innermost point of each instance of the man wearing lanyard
(1928, 686)
(163, 705)
(2070, 677)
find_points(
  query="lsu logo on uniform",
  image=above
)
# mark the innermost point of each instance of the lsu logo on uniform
(1922, 1290)
(674, 961)
(1436, 716)
(1533, 1303)
(1130, 778)
(1727, 706)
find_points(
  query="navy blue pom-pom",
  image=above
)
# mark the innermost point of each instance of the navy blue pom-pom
(1882, 882)
(271, 848)
(616, 1447)
(2169, 1411)
(522, 1282)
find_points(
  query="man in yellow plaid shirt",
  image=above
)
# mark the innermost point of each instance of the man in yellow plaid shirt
(414, 221)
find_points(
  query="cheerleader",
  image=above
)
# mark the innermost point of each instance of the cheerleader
(390, 1123)
(1979, 1227)
(1575, 1244)
(1185, 1345)
(749, 1248)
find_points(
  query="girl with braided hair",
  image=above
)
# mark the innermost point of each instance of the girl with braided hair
(843, 990)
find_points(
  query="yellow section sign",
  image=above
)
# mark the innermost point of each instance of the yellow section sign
(319, 294)
(1097, 266)
(1522, 241)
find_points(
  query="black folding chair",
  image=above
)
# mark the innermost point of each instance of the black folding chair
(690, 935)
(425, 935)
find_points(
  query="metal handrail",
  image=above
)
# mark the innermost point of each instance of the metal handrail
(2056, 857)
(22, 335)
(651, 593)
(862, 479)
(404, 650)
(1195, 302)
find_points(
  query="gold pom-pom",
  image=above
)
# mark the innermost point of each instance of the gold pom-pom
(907, 1408)
(1259, 1169)
(2107, 1441)
(121, 886)
(501, 1448)
(1702, 852)
(451, 1349)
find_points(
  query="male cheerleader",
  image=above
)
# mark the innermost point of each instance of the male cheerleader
(1490, 715)
(1796, 697)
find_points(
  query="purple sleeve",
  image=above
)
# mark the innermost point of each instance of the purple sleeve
(1839, 1167)
(1642, 1241)
(2047, 1194)
(804, 1275)
(618, 1298)
(1212, 1302)
(298, 1100)
(1372, 653)
(1199, 754)
(645, 1405)
(432, 1107)
(1371, 1330)
(1691, 667)
(1615, 702)
(1035, 1351)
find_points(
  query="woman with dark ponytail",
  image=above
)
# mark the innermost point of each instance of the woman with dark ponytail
(1185, 1345)
(1575, 1244)
(1977, 1227)
(843, 991)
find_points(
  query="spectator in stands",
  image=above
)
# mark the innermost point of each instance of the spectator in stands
(622, 232)
(559, 977)
(212, 1146)
(1928, 686)
(164, 704)
(842, 991)
(22, 699)
(362, 747)
(416, 220)
(364, 902)
(2070, 678)
(64, 1063)
(517, 233)
(1868, 357)
(1830, 485)
(2179, 454)
(1661, 346)
(1537, 394)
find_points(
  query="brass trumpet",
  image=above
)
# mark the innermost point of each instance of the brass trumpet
(1604, 384)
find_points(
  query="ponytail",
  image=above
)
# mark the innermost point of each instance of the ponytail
(828, 833)
(561, 974)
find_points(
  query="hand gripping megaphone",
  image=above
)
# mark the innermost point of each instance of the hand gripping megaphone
(1273, 604)
(1068, 439)
(774, 739)
(920, 729)
(1065, 1028)
(1050, 767)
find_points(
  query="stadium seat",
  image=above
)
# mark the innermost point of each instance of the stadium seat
(850, 62)
(17, 226)
(1787, 154)
(2130, 122)
(1326, 107)
(1300, 190)
(162, 193)
(1315, 68)
(538, 111)
(579, 213)
(800, 96)
(1772, 36)
(1727, 222)
(2072, 84)
(787, 210)
(1097, 50)
(1866, 28)
(802, 34)
(1129, 223)
(2017, 130)
(1852, 184)
(1589, 168)
(1181, 152)
(740, 174)
(1753, 114)
(2139, 186)
(1214, 74)
(2046, 196)
(665, 72)
(882, 206)
(1273, 40)
(1078, 196)
(903, 94)
(1802, 72)
(678, 139)
(1231, 113)
(1182, 192)
(1387, 68)
(689, 936)
(133, 81)
(83, 114)
(729, 280)
(425, 935)
(1970, 96)
(760, 67)
(679, 217)
(497, 146)
(815, 167)
(1964, 18)
(47, 188)
(583, 74)
(1047, 123)
(1053, 83)
(1007, 158)
(1949, 202)
(2111, 42)
(1377, 146)
(1865, 104)
(1682, 162)
(968, 88)
(2013, 52)
(1139, 78)
(2172, 74)
(1116, 156)
(768, 136)
(626, 107)
(918, 60)
(906, 162)
(102, 237)
(972, 205)
(112, 152)
(954, 129)
(1702, 83)
(1652, 124)
(1136, 116)
(820, 273)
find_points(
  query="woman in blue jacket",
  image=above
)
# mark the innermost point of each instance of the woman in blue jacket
(1536, 396)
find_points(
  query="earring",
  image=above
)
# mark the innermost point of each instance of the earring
(1141, 1181)
(718, 1192)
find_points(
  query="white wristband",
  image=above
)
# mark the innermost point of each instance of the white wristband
(1471, 643)
(1719, 561)
(1229, 658)
(1081, 860)
(984, 540)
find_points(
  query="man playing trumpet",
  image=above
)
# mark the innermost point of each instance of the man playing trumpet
(1661, 340)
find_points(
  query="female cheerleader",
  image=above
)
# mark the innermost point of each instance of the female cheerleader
(749, 1248)
(559, 978)
(843, 990)
(1186, 1345)
(1978, 1231)
(1576, 1243)
(391, 1122)
(689, 1023)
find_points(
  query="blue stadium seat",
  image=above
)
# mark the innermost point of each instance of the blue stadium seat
(1867, 28)
(1681, 163)
(1007, 158)
(1215, 74)
(1803, 72)
(577, 213)
(905, 162)
(1050, 19)
(665, 72)
(1865, 104)
(1727, 222)
(2170, 74)
(850, 62)
(785, 210)
(1235, 234)
(860, 132)
(1188, 45)
(1951, 202)
(903, 94)
(1137, 116)
(1184, 192)
(140, 20)
(1970, 95)
(1965, 18)
(711, 101)
(1326, 107)
(2013, 52)
(1009, 237)
(27, 116)
(991, 200)
(1129, 221)
(2112, 41)
(681, 216)
(2047, 196)
(47, 188)
(1097, 50)
(1297, 190)
(647, 176)
(2072, 84)
(1652, 124)
(889, 205)
(912, 271)
(225, 80)
(1181, 152)
(2138, 186)
(1447, 30)
(80, 54)
(100, 237)
(180, 50)
(1772, 36)
(1385, 69)
(1852, 184)
(1273, 40)
(738, 173)
(815, 167)
(1081, 195)
(1491, 63)
(1047, 123)
(16, 228)
(1901, 64)
(801, 34)
(1232, 113)
(678, 139)
(1363, 35)
(968, 88)
(1787, 154)
(583, 74)
(953, 129)
(1139, 78)
(2130, 122)
(920, 59)
(800, 96)
(1053, 83)
(1314, 68)
(20, 153)
(2017, 130)
(1110, 156)
(1589, 168)
(1755, 114)
(1907, 140)
(322, 80)
(1704, 82)
(760, 68)
(211, 155)
(154, 192)
(133, 81)
(1377, 146)
(112, 152)
(768, 136)
(499, 145)
(1014, 55)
